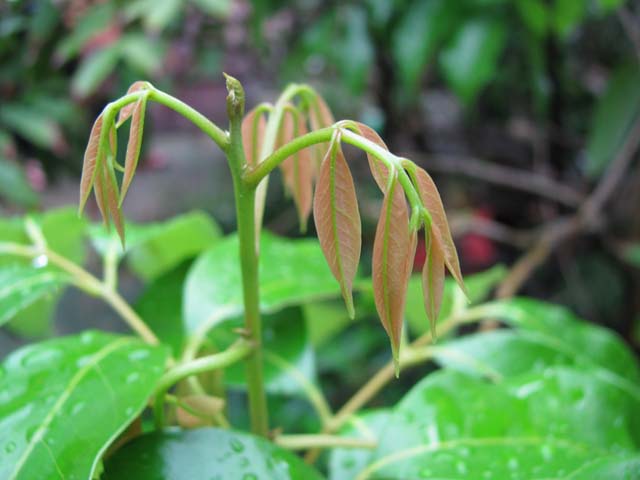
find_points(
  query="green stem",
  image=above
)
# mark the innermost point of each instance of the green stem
(248, 240)
(233, 354)
(303, 442)
(219, 136)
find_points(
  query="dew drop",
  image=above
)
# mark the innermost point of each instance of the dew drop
(513, 464)
(425, 473)
(348, 463)
(138, 355)
(244, 462)
(236, 445)
(129, 411)
(547, 453)
(10, 447)
(77, 408)
(132, 377)
(249, 476)
(40, 356)
(87, 337)
(461, 467)
(40, 261)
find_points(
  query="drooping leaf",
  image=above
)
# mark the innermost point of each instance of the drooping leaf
(378, 169)
(253, 127)
(320, 116)
(127, 110)
(92, 159)
(21, 286)
(393, 251)
(205, 453)
(94, 69)
(337, 219)
(113, 197)
(297, 171)
(134, 145)
(69, 395)
(433, 280)
(439, 226)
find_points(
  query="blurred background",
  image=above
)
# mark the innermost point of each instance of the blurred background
(525, 112)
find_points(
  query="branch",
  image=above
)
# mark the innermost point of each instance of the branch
(507, 177)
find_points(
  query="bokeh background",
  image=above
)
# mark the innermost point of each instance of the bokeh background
(526, 113)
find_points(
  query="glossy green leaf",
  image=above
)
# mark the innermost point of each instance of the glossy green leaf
(64, 233)
(471, 60)
(160, 305)
(63, 401)
(603, 347)
(291, 272)
(560, 419)
(205, 453)
(615, 113)
(21, 286)
(567, 14)
(346, 463)
(157, 247)
(286, 345)
(29, 123)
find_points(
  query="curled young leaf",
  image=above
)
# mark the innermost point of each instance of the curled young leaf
(128, 109)
(253, 127)
(393, 251)
(433, 279)
(92, 158)
(337, 219)
(297, 170)
(134, 145)
(113, 198)
(439, 226)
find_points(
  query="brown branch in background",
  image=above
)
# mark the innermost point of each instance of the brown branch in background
(588, 218)
(507, 177)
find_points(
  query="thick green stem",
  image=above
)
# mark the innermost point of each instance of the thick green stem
(247, 237)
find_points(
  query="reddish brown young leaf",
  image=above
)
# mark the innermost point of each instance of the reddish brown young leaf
(440, 227)
(320, 116)
(393, 251)
(298, 174)
(253, 127)
(433, 279)
(378, 169)
(127, 110)
(134, 145)
(100, 193)
(113, 198)
(91, 158)
(337, 219)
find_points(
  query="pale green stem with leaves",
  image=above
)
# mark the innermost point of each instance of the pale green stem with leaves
(303, 442)
(236, 352)
(90, 284)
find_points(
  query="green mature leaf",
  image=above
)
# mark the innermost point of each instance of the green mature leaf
(64, 233)
(22, 286)
(286, 346)
(470, 61)
(602, 346)
(559, 419)
(161, 307)
(615, 113)
(96, 19)
(356, 50)
(291, 272)
(63, 401)
(205, 453)
(142, 54)
(417, 36)
(567, 14)
(156, 248)
(535, 15)
(345, 463)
